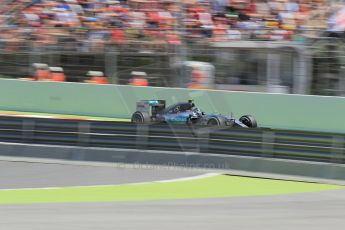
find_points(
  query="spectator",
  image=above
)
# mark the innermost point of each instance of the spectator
(120, 22)
(139, 79)
(96, 77)
(41, 72)
(57, 74)
(292, 6)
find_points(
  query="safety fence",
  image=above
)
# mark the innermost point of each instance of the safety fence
(315, 67)
(268, 143)
(328, 67)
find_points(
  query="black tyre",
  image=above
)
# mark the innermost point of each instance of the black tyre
(213, 121)
(216, 121)
(140, 118)
(249, 121)
(191, 121)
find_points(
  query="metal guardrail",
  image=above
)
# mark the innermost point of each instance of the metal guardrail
(283, 144)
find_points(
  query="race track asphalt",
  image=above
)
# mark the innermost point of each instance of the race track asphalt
(38, 175)
(312, 211)
(316, 211)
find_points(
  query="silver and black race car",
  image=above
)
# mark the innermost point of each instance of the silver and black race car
(155, 111)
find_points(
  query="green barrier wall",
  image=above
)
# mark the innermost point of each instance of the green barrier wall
(271, 110)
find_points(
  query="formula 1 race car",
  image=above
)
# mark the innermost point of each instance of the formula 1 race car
(155, 111)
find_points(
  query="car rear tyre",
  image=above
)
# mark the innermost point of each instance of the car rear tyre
(249, 121)
(140, 118)
(213, 122)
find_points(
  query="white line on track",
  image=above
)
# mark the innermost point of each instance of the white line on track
(203, 176)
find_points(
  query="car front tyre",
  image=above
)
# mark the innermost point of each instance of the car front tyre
(249, 121)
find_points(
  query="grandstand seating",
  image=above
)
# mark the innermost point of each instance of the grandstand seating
(103, 21)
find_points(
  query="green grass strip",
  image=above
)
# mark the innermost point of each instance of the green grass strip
(211, 187)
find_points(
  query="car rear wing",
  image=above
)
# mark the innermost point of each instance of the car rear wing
(150, 106)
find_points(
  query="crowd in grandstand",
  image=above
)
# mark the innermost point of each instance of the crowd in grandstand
(166, 21)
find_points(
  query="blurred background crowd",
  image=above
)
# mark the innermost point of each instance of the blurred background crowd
(99, 21)
(184, 43)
